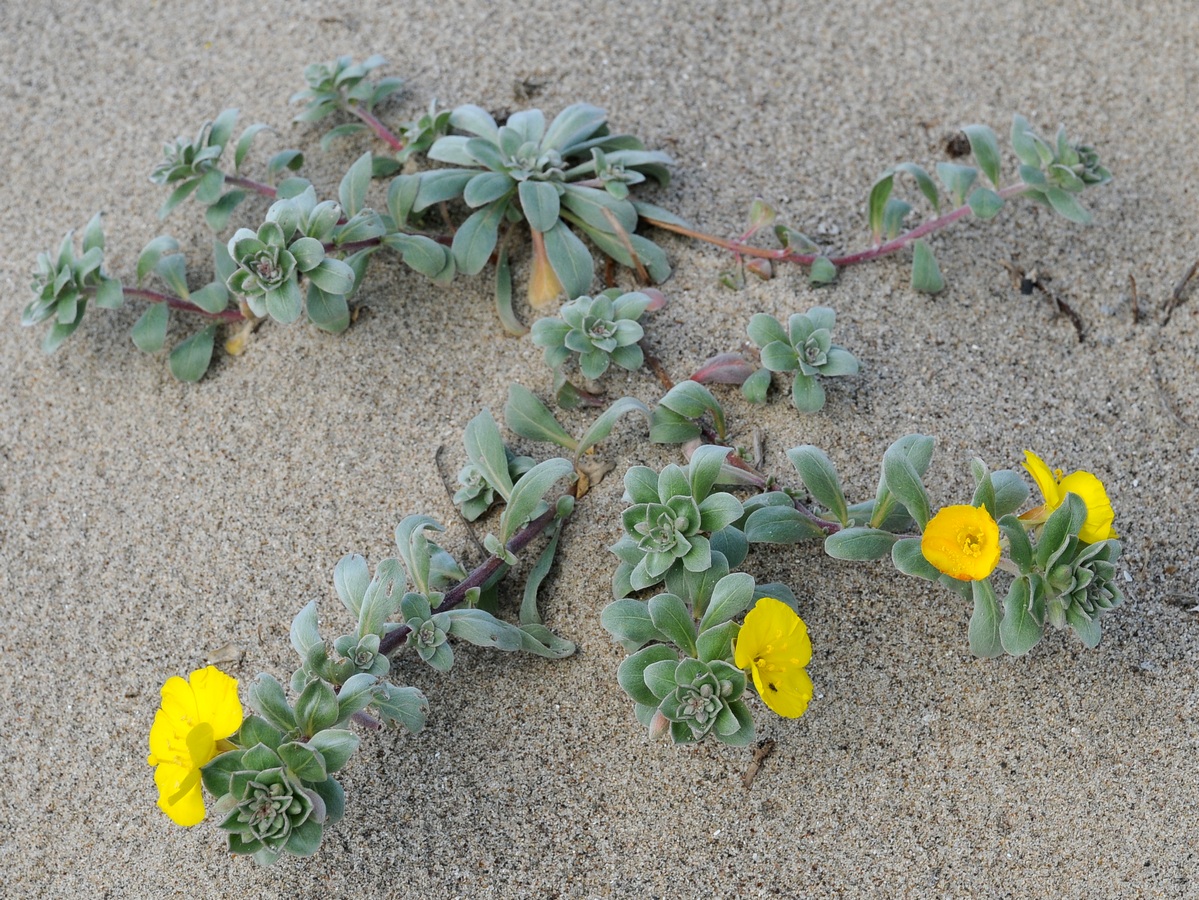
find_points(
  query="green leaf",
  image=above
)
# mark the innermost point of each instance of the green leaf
(332, 276)
(985, 147)
(150, 331)
(352, 190)
(668, 427)
(653, 214)
(218, 213)
(152, 252)
(177, 196)
(405, 706)
(1024, 143)
(672, 618)
(1019, 546)
(540, 203)
(1019, 631)
(593, 207)
(339, 131)
(893, 215)
(284, 160)
(213, 297)
(529, 491)
(780, 525)
(958, 179)
(485, 447)
(316, 707)
(528, 604)
(879, 192)
(528, 417)
(807, 393)
(822, 272)
(570, 260)
(268, 698)
(222, 128)
(304, 760)
(904, 482)
(859, 544)
(603, 425)
(754, 387)
(732, 596)
(173, 270)
(925, 182)
(304, 632)
(284, 304)
(1064, 204)
(820, 478)
(93, 234)
(631, 673)
(503, 296)
(926, 274)
(629, 622)
(244, 142)
(909, 559)
(440, 185)
(110, 294)
(984, 203)
(336, 745)
(984, 621)
(691, 400)
(476, 238)
(328, 312)
(717, 642)
(351, 577)
(189, 360)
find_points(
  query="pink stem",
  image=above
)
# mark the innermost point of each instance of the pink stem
(381, 131)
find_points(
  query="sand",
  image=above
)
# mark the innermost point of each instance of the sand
(148, 524)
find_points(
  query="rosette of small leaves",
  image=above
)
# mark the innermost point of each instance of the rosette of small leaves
(1050, 172)
(342, 85)
(477, 494)
(276, 793)
(804, 348)
(552, 178)
(288, 245)
(1064, 582)
(420, 134)
(684, 682)
(64, 283)
(673, 522)
(193, 167)
(1057, 170)
(600, 330)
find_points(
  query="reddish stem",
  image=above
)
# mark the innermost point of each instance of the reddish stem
(226, 315)
(250, 184)
(381, 131)
(806, 259)
(479, 577)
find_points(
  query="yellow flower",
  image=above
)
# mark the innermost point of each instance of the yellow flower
(1054, 488)
(773, 644)
(189, 730)
(962, 542)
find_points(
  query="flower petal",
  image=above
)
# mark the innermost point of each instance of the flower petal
(179, 794)
(1044, 478)
(216, 700)
(1100, 515)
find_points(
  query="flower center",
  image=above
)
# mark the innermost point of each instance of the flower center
(971, 542)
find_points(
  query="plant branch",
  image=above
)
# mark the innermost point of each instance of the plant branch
(226, 315)
(250, 184)
(739, 246)
(477, 578)
(381, 131)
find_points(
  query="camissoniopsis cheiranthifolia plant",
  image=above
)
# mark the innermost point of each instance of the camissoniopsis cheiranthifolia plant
(564, 183)
(462, 189)
(271, 773)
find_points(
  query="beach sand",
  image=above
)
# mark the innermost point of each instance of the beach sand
(148, 524)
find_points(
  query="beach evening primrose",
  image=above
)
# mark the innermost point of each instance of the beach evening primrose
(1054, 487)
(773, 645)
(962, 542)
(189, 730)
